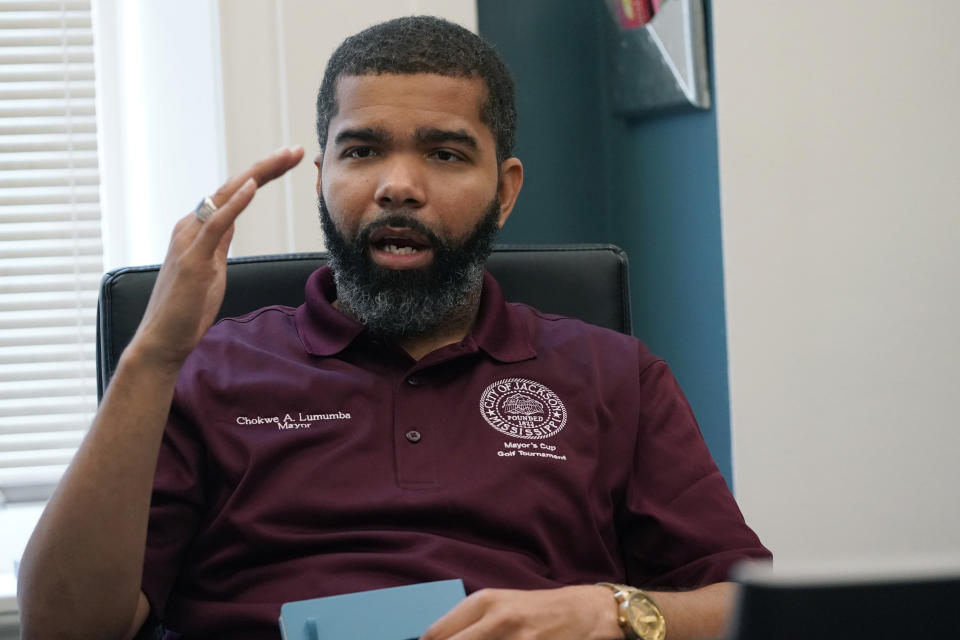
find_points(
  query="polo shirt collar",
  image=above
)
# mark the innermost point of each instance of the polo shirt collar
(325, 331)
(499, 329)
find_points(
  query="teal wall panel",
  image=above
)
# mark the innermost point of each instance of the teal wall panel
(649, 185)
(554, 60)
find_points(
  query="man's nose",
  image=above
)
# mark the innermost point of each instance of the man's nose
(401, 184)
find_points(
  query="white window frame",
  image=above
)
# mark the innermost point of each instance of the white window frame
(162, 141)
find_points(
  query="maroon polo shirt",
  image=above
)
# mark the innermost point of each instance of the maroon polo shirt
(303, 457)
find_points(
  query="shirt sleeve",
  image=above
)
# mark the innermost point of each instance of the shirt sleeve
(176, 507)
(683, 528)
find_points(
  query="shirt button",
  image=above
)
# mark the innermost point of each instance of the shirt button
(414, 381)
(413, 436)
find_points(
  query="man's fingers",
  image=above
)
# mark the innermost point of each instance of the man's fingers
(232, 198)
(217, 225)
(263, 171)
(274, 167)
(224, 245)
(464, 614)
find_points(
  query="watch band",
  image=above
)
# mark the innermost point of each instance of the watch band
(624, 595)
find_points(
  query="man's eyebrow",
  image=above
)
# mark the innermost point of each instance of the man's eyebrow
(429, 135)
(365, 134)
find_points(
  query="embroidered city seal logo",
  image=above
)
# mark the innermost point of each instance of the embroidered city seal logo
(523, 409)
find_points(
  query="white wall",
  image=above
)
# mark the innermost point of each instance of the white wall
(160, 134)
(273, 56)
(839, 140)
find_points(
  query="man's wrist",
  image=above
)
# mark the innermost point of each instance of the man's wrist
(151, 360)
(638, 615)
(607, 614)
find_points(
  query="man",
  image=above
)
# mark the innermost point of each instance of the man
(370, 437)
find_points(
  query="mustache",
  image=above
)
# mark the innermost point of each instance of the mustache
(399, 219)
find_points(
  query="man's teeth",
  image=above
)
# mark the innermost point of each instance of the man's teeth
(399, 251)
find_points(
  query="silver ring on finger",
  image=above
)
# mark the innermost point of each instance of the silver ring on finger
(205, 209)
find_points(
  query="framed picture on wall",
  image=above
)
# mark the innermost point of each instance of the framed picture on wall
(657, 56)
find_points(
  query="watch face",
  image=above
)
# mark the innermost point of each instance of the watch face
(646, 618)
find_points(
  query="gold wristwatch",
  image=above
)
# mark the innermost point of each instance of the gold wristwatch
(637, 613)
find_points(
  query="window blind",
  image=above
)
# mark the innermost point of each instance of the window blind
(50, 245)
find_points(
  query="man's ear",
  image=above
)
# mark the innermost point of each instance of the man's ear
(511, 179)
(318, 161)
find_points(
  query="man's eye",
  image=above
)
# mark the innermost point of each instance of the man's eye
(445, 156)
(359, 152)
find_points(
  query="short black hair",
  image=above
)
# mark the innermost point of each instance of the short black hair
(423, 44)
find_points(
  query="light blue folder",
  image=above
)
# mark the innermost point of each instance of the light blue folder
(398, 613)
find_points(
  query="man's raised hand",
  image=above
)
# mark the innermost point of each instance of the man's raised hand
(191, 282)
(71, 584)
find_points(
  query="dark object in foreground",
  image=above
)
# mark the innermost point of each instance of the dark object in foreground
(917, 604)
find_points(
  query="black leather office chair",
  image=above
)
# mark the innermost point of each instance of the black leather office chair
(583, 281)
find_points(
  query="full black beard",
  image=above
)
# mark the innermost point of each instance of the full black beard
(410, 302)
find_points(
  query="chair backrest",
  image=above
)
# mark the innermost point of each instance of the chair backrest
(582, 281)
